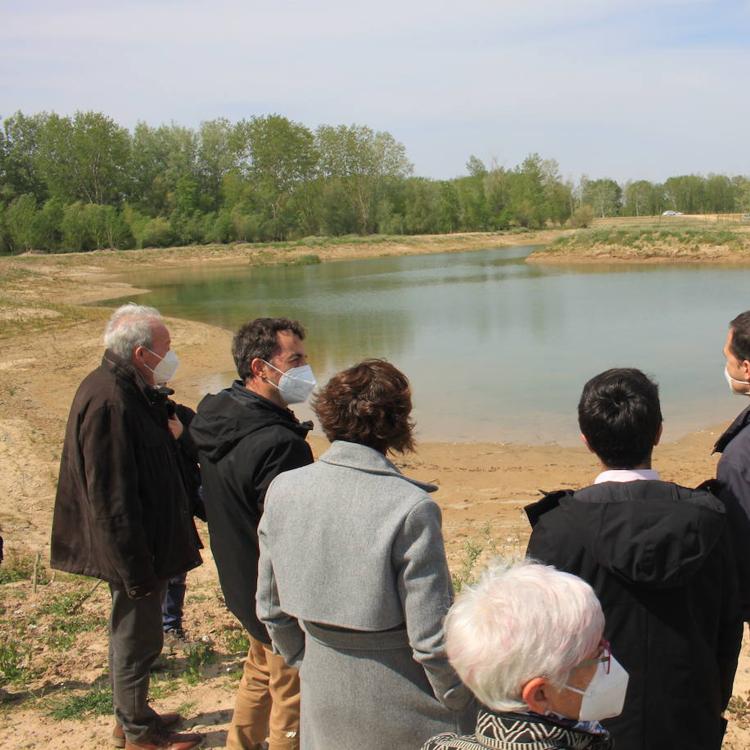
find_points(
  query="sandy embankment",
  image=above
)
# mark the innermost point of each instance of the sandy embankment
(48, 343)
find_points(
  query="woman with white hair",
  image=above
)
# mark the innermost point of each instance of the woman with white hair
(527, 640)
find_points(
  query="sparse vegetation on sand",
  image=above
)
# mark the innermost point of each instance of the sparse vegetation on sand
(652, 241)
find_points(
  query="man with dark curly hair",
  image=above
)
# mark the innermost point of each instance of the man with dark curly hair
(246, 435)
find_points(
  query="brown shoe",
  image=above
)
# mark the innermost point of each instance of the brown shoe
(166, 741)
(165, 720)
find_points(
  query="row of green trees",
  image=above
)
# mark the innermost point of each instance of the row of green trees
(689, 194)
(85, 182)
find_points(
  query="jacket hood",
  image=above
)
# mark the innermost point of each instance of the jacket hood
(225, 418)
(648, 532)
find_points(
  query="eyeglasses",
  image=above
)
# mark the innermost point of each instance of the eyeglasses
(604, 656)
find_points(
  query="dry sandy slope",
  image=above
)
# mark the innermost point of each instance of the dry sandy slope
(45, 352)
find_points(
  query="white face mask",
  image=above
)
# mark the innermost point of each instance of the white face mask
(167, 367)
(731, 380)
(605, 695)
(296, 384)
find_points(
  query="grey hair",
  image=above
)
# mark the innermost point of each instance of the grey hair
(130, 326)
(518, 622)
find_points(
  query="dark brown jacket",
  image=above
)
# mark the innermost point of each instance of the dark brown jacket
(121, 512)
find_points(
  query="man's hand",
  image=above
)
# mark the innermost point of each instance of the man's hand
(175, 426)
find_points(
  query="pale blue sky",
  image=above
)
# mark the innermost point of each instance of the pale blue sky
(643, 88)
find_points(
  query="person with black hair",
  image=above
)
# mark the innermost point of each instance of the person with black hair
(660, 560)
(733, 471)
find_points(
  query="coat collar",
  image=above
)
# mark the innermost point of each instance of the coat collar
(131, 379)
(505, 731)
(362, 458)
(123, 369)
(732, 431)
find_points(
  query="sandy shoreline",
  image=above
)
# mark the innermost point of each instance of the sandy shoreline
(49, 342)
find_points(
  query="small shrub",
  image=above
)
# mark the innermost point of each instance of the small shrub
(157, 233)
(465, 573)
(581, 217)
(198, 656)
(12, 658)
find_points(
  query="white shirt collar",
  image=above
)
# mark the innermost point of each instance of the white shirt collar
(626, 475)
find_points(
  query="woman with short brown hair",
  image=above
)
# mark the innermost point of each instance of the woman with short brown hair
(353, 582)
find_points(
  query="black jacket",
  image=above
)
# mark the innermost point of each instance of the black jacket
(659, 558)
(733, 488)
(122, 512)
(244, 441)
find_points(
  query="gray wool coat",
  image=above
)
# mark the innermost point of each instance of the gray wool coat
(353, 587)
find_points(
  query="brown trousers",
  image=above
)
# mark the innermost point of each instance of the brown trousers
(267, 703)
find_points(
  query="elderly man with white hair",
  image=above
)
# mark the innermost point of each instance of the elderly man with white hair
(527, 640)
(122, 513)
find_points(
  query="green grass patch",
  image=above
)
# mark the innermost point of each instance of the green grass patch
(67, 622)
(13, 658)
(645, 238)
(63, 632)
(95, 702)
(63, 604)
(19, 565)
(236, 641)
(161, 686)
(302, 260)
(198, 656)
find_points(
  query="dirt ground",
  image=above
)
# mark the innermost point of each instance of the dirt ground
(48, 343)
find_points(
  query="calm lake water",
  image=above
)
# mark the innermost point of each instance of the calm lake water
(496, 349)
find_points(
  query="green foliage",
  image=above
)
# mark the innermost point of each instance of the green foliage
(604, 196)
(197, 656)
(581, 217)
(12, 662)
(83, 158)
(83, 182)
(19, 566)
(363, 162)
(19, 220)
(236, 641)
(89, 226)
(465, 573)
(95, 702)
(645, 238)
(157, 232)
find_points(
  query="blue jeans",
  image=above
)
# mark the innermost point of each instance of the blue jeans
(172, 604)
